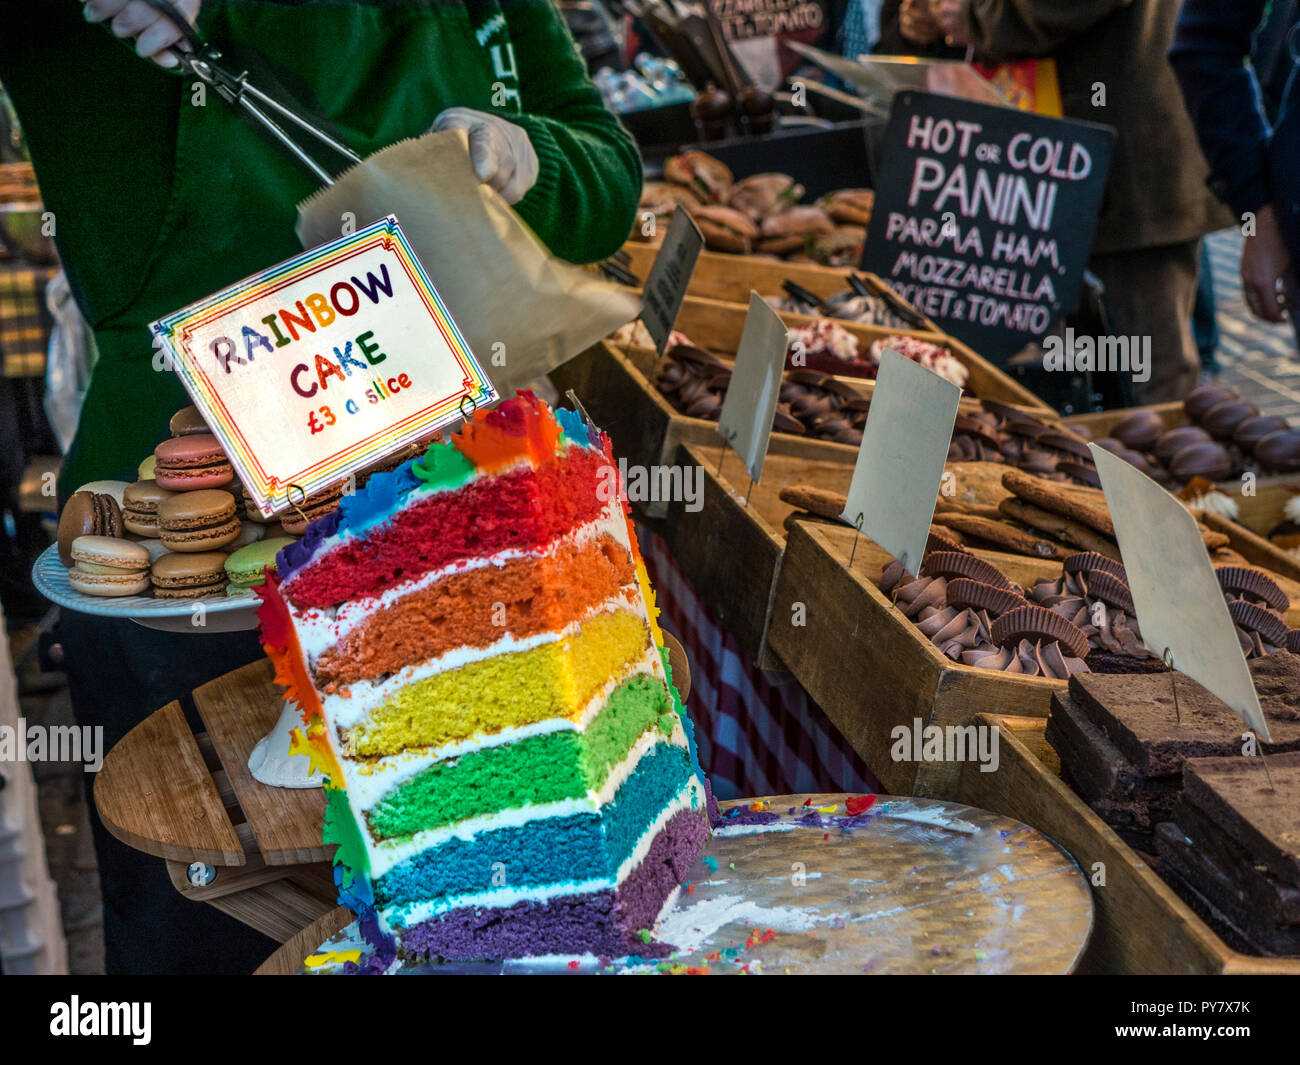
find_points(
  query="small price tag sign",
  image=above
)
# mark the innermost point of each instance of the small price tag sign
(899, 469)
(750, 403)
(669, 277)
(320, 366)
(1177, 597)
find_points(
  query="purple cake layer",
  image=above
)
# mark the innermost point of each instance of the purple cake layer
(603, 923)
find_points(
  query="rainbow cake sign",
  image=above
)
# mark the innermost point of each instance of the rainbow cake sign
(320, 366)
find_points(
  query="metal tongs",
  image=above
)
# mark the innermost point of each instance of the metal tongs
(203, 61)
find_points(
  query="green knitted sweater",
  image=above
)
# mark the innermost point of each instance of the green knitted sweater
(160, 198)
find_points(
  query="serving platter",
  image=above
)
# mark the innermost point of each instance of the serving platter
(195, 616)
(797, 884)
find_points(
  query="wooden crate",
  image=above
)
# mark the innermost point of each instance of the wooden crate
(871, 670)
(1260, 511)
(721, 276)
(1100, 423)
(730, 548)
(615, 386)
(1142, 925)
(717, 325)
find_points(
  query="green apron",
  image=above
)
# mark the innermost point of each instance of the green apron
(231, 208)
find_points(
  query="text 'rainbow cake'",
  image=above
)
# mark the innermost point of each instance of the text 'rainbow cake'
(472, 642)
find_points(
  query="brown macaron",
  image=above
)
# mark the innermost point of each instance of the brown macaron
(295, 520)
(140, 515)
(191, 575)
(198, 521)
(188, 422)
(88, 514)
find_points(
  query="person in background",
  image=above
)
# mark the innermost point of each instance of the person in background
(1254, 163)
(593, 29)
(160, 202)
(859, 32)
(1110, 61)
(908, 27)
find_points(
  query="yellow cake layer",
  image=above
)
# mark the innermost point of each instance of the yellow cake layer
(554, 680)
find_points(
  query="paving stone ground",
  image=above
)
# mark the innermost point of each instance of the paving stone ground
(1259, 359)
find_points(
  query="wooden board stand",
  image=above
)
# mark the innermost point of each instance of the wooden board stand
(188, 797)
(1260, 512)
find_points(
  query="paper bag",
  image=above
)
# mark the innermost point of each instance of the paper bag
(522, 310)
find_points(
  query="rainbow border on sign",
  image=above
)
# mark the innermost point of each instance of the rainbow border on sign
(270, 493)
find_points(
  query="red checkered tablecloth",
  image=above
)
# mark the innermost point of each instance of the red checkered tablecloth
(755, 737)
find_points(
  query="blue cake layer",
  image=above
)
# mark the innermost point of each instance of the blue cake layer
(557, 850)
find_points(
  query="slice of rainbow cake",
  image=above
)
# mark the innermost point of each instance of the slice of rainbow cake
(472, 642)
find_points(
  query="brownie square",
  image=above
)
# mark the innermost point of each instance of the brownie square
(1137, 714)
(1192, 868)
(1100, 766)
(1234, 794)
(1279, 901)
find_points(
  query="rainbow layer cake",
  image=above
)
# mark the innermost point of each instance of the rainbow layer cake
(472, 642)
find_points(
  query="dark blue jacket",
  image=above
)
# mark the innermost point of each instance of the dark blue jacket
(1251, 164)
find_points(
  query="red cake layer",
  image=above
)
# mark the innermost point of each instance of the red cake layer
(475, 608)
(524, 509)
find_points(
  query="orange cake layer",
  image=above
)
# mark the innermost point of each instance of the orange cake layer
(476, 608)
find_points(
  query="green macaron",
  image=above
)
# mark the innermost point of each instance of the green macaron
(247, 567)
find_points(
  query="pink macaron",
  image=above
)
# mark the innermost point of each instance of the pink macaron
(186, 463)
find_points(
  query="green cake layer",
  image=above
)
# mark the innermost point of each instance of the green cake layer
(541, 769)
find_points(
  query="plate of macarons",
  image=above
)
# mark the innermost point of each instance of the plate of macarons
(178, 549)
(182, 547)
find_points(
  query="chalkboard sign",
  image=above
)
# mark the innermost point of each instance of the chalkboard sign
(670, 276)
(984, 216)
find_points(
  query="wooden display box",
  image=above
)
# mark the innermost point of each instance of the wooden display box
(870, 668)
(720, 276)
(615, 385)
(1141, 925)
(1261, 512)
(718, 324)
(730, 549)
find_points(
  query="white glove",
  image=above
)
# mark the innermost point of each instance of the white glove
(501, 153)
(153, 31)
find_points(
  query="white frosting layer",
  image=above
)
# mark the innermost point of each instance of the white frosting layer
(320, 629)
(412, 913)
(345, 711)
(368, 781)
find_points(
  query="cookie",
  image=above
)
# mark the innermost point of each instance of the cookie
(1003, 535)
(1059, 526)
(817, 501)
(1088, 508)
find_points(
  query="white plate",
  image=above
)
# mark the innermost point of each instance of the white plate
(198, 616)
